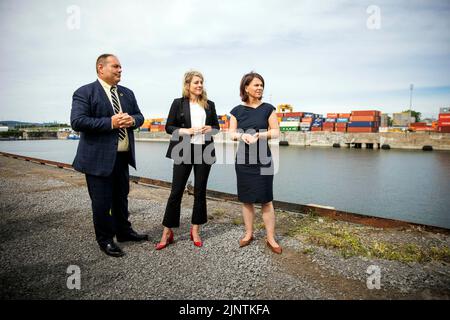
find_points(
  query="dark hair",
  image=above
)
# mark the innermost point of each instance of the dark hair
(246, 79)
(102, 59)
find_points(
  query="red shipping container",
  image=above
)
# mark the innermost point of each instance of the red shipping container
(444, 129)
(162, 127)
(328, 124)
(362, 129)
(331, 129)
(444, 116)
(341, 129)
(366, 113)
(443, 123)
(316, 129)
(293, 114)
(281, 115)
(341, 124)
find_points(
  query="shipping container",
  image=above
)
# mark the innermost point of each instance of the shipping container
(365, 118)
(418, 124)
(316, 128)
(308, 115)
(332, 115)
(342, 120)
(307, 120)
(444, 129)
(360, 124)
(292, 114)
(337, 129)
(341, 125)
(289, 123)
(365, 113)
(344, 115)
(443, 123)
(329, 120)
(362, 129)
(444, 116)
(291, 119)
(289, 129)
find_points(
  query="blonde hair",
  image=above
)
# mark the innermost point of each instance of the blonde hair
(188, 76)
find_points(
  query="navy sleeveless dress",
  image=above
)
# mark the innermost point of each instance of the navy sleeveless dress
(253, 163)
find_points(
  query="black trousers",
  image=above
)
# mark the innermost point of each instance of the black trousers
(109, 196)
(180, 176)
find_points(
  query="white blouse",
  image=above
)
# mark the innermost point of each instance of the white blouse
(198, 119)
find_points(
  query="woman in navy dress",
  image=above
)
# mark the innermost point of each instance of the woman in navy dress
(253, 123)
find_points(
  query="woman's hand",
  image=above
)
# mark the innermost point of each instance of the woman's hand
(250, 139)
(206, 129)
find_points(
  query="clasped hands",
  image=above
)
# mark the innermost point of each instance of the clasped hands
(250, 138)
(122, 120)
(197, 130)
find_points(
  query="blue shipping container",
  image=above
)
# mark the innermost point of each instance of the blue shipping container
(342, 120)
(361, 124)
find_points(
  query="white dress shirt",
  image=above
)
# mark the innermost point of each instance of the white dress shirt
(123, 144)
(198, 119)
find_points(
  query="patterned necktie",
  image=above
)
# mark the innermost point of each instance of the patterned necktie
(115, 100)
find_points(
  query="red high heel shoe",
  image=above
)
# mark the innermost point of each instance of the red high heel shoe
(196, 243)
(161, 245)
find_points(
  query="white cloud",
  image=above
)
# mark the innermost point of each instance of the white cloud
(317, 55)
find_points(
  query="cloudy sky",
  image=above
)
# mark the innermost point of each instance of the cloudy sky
(320, 56)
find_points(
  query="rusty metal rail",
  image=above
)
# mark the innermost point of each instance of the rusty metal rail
(279, 205)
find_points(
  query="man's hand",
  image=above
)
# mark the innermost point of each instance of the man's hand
(115, 120)
(126, 120)
(122, 120)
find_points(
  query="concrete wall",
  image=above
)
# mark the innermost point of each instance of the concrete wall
(396, 140)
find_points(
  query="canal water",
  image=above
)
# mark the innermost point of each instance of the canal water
(406, 185)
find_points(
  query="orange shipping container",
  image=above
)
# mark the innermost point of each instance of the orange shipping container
(341, 129)
(364, 118)
(344, 115)
(316, 129)
(307, 120)
(332, 115)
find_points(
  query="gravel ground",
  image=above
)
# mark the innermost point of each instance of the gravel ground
(46, 226)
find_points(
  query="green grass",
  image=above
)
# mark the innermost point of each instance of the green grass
(349, 242)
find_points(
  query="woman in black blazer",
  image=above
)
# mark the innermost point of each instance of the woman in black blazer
(192, 122)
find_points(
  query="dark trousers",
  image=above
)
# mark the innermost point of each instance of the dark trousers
(109, 196)
(180, 176)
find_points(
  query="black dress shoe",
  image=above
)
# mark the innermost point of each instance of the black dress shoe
(132, 236)
(111, 249)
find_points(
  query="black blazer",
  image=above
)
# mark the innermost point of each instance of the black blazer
(180, 117)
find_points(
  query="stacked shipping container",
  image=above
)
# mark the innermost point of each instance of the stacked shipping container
(364, 121)
(444, 120)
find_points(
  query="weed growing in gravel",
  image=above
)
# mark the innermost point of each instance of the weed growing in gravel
(350, 242)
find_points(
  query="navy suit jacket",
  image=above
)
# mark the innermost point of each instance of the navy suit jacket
(91, 116)
(180, 117)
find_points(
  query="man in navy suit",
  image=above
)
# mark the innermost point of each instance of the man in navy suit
(105, 114)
